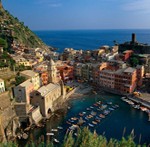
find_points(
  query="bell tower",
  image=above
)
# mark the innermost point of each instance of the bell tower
(52, 72)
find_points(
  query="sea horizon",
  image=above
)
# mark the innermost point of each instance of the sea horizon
(90, 39)
(90, 29)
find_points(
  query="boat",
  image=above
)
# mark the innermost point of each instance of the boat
(59, 127)
(106, 112)
(103, 106)
(91, 125)
(117, 106)
(76, 134)
(102, 116)
(81, 114)
(73, 127)
(89, 116)
(94, 122)
(88, 109)
(68, 122)
(131, 103)
(143, 108)
(71, 121)
(56, 140)
(99, 102)
(74, 118)
(94, 92)
(97, 120)
(95, 105)
(123, 98)
(91, 107)
(93, 113)
(114, 107)
(109, 103)
(111, 109)
(86, 118)
(50, 134)
(54, 130)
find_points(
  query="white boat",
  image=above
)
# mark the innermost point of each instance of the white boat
(111, 109)
(59, 127)
(54, 130)
(50, 134)
(109, 103)
(91, 125)
(56, 140)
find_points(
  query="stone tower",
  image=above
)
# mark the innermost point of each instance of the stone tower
(52, 72)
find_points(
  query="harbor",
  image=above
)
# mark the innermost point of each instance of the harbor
(98, 112)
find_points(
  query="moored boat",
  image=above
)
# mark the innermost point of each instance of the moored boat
(59, 127)
(54, 130)
(74, 118)
(102, 116)
(91, 125)
(97, 120)
(56, 140)
(94, 122)
(50, 134)
(111, 109)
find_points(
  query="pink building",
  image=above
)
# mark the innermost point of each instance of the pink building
(22, 92)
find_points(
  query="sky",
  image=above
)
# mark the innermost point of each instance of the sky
(81, 14)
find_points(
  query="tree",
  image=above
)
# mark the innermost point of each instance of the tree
(134, 61)
(19, 80)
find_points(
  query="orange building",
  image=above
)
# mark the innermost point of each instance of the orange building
(66, 72)
(44, 78)
(121, 80)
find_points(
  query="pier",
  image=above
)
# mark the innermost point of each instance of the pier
(140, 101)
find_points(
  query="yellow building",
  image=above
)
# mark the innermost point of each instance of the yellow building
(29, 74)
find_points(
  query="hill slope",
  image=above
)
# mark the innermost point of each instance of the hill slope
(14, 31)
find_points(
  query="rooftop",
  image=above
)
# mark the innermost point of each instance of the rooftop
(1, 80)
(129, 70)
(26, 84)
(29, 73)
(44, 90)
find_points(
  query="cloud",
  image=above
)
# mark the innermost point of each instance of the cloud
(138, 6)
(50, 3)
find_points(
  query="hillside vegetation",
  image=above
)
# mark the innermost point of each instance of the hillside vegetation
(14, 32)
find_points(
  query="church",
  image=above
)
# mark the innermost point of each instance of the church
(47, 95)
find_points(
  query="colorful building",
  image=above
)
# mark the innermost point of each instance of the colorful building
(66, 72)
(29, 74)
(121, 81)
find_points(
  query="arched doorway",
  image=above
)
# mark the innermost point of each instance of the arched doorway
(49, 111)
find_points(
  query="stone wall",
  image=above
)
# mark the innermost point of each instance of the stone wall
(7, 113)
